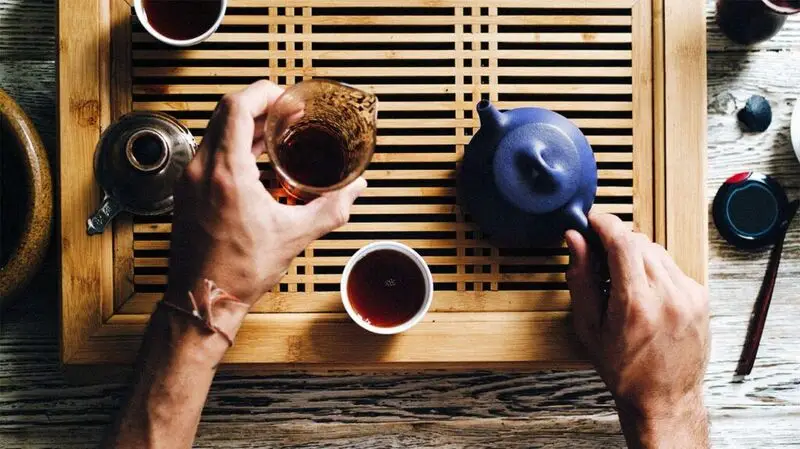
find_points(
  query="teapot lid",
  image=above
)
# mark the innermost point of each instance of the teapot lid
(537, 166)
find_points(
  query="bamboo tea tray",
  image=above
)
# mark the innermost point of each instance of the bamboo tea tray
(631, 74)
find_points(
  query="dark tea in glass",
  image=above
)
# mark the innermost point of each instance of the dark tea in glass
(314, 154)
(320, 136)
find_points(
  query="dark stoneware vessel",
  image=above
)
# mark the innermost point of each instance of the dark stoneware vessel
(28, 250)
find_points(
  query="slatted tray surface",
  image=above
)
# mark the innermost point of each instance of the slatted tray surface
(429, 66)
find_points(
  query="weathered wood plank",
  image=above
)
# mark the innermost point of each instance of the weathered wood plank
(28, 30)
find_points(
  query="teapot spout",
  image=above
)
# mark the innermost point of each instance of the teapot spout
(490, 117)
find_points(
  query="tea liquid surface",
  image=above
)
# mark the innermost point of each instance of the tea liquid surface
(313, 154)
(182, 19)
(386, 287)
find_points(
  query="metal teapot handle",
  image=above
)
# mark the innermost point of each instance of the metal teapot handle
(108, 209)
(577, 220)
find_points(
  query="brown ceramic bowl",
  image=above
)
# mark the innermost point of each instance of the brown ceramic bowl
(28, 252)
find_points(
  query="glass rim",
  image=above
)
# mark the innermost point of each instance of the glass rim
(360, 168)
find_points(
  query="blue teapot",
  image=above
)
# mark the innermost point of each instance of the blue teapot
(528, 175)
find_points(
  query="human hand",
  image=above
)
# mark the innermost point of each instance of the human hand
(226, 225)
(650, 343)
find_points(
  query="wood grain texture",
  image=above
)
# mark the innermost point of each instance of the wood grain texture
(121, 102)
(685, 137)
(644, 189)
(39, 408)
(659, 135)
(83, 111)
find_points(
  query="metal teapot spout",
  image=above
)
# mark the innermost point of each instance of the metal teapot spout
(490, 117)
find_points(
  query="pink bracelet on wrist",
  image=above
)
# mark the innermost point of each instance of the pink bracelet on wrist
(206, 307)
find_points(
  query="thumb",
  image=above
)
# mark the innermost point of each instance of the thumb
(332, 210)
(587, 302)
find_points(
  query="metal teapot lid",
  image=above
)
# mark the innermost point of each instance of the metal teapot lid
(137, 161)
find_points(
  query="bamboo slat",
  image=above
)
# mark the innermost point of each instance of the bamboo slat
(208, 106)
(588, 38)
(547, 20)
(545, 89)
(162, 262)
(567, 54)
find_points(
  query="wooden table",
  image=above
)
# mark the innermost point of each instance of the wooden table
(39, 408)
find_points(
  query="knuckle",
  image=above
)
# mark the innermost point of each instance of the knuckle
(193, 174)
(633, 240)
(266, 83)
(621, 243)
(642, 239)
(626, 239)
(341, 215)
(571, 274)
(225, 103)
(230, 103)
(222, 182)
(677, 311)
(699, 301)
(646, 319)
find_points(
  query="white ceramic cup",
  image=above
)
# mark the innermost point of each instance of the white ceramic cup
(142, 15)
(423, 267)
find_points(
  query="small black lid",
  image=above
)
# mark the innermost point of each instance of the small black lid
(748, 210)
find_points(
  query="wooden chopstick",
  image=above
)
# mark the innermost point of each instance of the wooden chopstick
(759, 316)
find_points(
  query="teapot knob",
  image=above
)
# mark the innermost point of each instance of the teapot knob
(536, 168)
(543, 177)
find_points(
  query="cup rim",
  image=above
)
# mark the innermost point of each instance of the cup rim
(362, 167)
(421, 264)
(785, 10)
(140, 14)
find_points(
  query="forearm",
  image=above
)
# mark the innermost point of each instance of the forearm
(685, 427)
(176, 365)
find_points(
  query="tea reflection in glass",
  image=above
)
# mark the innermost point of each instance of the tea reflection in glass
(320, 136)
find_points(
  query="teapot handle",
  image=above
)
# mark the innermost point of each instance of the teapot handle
(577, 220)
(109, 209)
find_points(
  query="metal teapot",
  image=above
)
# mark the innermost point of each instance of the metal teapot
(528, 175)
(137, 161)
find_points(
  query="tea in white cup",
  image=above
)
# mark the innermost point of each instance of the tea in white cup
(180, 23)
(387, 287)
